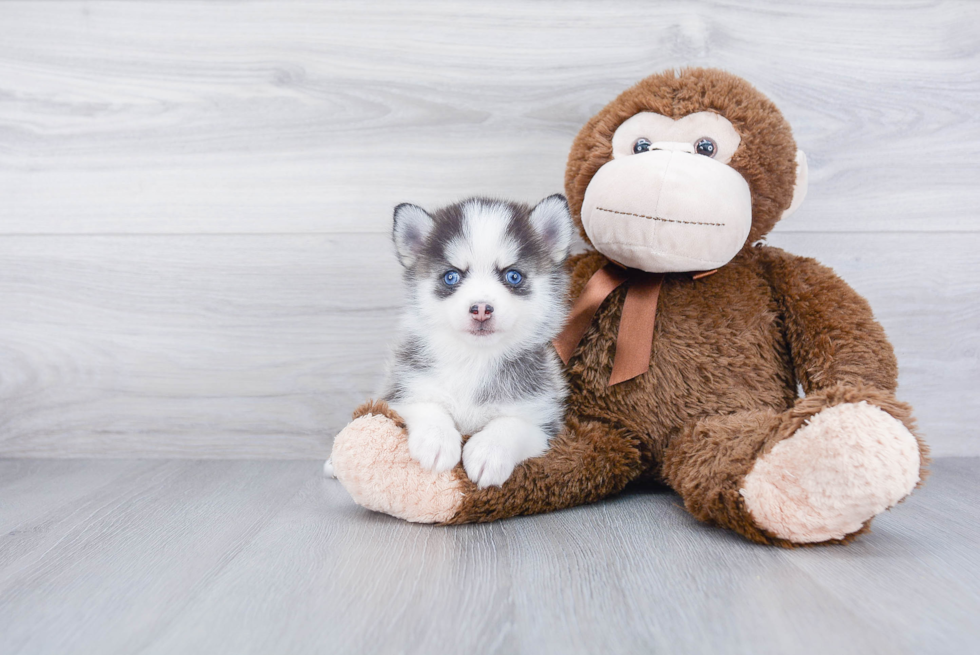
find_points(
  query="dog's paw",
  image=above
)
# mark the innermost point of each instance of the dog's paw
(435, 447)
(328, 471)
(487, 461)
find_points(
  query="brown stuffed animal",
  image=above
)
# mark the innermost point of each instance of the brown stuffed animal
(691, 379)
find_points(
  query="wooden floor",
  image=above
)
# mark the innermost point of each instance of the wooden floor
(184, 556)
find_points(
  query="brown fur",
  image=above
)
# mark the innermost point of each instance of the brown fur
(728, 349)
(380, 408)
(588, 461)
(766, 156)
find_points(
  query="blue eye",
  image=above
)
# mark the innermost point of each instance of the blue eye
(513, 277)
(451, 278)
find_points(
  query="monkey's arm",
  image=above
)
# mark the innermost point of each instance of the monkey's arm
(586, 462)
(822, 469)
(838, 348)
(833, 335)
(819, 471)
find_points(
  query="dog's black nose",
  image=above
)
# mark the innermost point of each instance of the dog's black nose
(481, 311)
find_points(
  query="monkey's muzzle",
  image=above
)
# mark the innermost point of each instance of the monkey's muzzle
(668, 210)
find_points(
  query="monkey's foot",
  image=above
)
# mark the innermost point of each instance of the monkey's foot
(371, 459)
(848, 463)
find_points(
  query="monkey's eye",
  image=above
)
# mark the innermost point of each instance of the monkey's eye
(641, 145)
(513, 277)
(451, 278)
(705, 146)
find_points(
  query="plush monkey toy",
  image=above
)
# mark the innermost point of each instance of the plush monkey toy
(681, 374)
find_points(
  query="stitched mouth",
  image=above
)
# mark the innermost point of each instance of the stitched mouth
(657, 218)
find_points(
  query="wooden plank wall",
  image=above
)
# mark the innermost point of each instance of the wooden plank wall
(195, 196)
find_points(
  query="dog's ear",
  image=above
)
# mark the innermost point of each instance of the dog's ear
(412, 227)
(551, 220)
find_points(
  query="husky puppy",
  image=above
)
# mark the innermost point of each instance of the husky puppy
(485, 297)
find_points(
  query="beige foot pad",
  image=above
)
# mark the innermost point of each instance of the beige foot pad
(849, 463)
(370, 458)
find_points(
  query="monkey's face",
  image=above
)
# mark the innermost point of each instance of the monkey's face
(668, 200)
(682, 171)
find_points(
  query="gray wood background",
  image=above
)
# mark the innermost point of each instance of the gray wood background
(195, 196)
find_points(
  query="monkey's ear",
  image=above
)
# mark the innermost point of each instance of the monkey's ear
(551, 220)
(799, 190)
(412, 227)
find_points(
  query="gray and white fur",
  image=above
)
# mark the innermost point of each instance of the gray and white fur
(485, 297)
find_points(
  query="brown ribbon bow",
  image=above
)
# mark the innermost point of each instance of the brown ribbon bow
(635, 339)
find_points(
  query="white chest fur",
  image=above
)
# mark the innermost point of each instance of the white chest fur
(456, 386)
